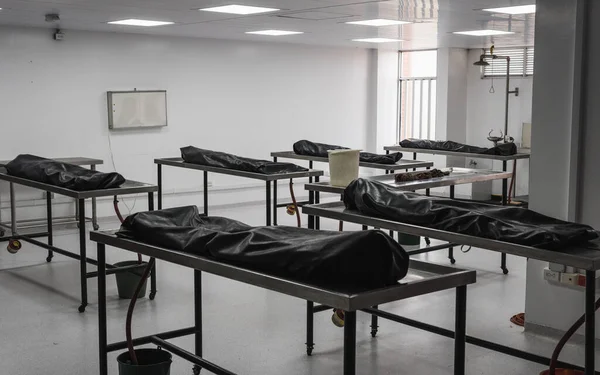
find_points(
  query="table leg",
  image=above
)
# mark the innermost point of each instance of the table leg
(350, 343)
(83, 256)
(451, 249)
(102, 335)
(159, 182)
(317, 201)
(275, 186)
(206, 193)
(49, 225)
(310, 344)
(153, 271)
(590, 322)
(13, 209)
(94, 211)
(460, 335)
(268, 199)
(504, 203)
(374, 322)
(197, 317)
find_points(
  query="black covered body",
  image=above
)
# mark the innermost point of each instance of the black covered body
(503, 149)
(364, 259)
(309, 148)
(509, 224)
(64, 175)
(217, 159)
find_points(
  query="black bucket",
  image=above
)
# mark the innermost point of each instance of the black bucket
(128, 281)
(150, 362)
(408, 239)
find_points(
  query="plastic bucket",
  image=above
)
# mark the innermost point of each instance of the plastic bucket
(343, 166)
(150, 362)
(562, 371)
(408, 239)
(127, 281)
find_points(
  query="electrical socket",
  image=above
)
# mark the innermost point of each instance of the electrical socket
(550, 275)
(569, 278)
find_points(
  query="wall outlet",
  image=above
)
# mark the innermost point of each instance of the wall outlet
(569, 278)
(550, 275)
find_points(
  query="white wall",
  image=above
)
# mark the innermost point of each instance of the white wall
(485, 111)
(239, 97)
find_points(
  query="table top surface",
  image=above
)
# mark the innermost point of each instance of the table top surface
(521, 154)
(584, 257)
(423, 277)
(457, 176)
(179, 163)
(401, 164)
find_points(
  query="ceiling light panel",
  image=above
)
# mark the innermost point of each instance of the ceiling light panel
(377, 40)
(144, 23)
(274, 32)
(378, 22)
(239, 9)
(483, 32)
(520, 9)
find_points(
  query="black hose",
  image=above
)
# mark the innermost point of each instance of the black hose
(128, 335)
(297, 209)
(118, 212)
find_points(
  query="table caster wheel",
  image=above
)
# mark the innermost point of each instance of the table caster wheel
(49, 259)
(309, 349)
(373, 334)
(196, 370)
(452, 261)
(96, 226)
(505, 271)
(14, 246)
(2, 233)
(152, 295)
(82, 308)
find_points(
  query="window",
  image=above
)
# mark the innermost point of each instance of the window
(521, 63)
(417, 90)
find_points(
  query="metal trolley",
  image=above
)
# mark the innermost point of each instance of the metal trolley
(423, 278)
(128, 188)
(582, 257)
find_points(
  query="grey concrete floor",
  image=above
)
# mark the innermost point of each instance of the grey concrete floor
(250, 330)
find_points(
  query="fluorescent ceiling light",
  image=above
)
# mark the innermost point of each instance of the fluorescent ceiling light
(483, 32)
(519, 9)
(239, 9)
(378, 22)
(274, 32)
(377, 40)
(134, 22)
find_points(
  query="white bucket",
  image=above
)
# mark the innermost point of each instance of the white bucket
(343, 166)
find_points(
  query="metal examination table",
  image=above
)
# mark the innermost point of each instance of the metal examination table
(267, 178)
(128, 188)
(400, 165)
(458, 176)
(583, 257)
(31, 223)
(504, 159)
(423, 278)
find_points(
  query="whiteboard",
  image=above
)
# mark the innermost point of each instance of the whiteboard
(137, 109)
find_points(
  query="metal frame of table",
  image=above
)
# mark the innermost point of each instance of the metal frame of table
(80, 161)
(458, 176)
(583, 257)
(438, 278)
(388, 168)
(128, 188)
(503, 158)
(271, 205)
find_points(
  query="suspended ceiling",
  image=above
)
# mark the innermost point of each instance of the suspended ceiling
(322, 21)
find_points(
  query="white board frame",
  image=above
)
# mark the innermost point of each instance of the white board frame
(111, 126)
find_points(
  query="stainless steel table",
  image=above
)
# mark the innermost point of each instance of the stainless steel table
(583, 257)
(423, 278)
(31, 223)
(267, 178)
(522, 154)
(128, 188)
(402, 164)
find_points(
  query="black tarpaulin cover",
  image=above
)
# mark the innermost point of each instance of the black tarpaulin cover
(210, 158)
(309, 148)
(363, 259)
(503, 149)
(65, 175)
(509, 224)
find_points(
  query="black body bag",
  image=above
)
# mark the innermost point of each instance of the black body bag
(64, 175)
(503, 149)
(509, 224)
(210, 158)
(356, 260)
(309, 148)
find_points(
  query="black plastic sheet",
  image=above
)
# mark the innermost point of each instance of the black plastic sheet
(363, 259)
(503, 149)
(509, 224)
(65, 175)
(309, 148)
(210, 158)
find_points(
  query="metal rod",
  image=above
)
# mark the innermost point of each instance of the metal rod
(590, 322)
(429, 113)
(116, 270)
(148, 339)
(268, 203)
(321, 308)
(317, 201)
(310, 310)
(94, 213)
(205, 193)
(421, 110)
(198, 312)
(461, 330)
(350, 343)
(374, 322)
(275, 205)
(13, 209)
(83, 255)
(190, 357)
(49, 225)
(102, 331)
(507, 96)
(150, 201)
(412, 110)
(431, 248)
(160, 191)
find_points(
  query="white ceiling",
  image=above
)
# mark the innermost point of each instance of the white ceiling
(323, 21)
